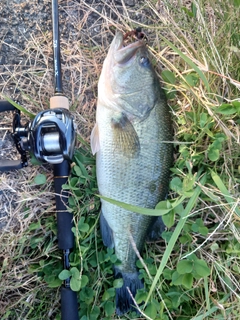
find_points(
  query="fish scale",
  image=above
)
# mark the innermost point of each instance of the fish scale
(132, 141)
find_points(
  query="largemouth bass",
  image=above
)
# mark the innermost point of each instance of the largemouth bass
(132, 141)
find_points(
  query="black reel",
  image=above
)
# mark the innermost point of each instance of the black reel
(50, 137)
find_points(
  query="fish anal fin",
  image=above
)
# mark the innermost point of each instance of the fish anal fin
(125, 136)
(106, 232)
(95, 144)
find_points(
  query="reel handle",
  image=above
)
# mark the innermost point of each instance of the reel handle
(8, 165)
(6, 106)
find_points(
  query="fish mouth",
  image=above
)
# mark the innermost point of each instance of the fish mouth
(124, 53)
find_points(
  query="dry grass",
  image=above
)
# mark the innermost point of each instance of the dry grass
(88, 30)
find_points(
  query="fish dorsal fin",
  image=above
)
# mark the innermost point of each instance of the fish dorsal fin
(125, 137)
(95, 144)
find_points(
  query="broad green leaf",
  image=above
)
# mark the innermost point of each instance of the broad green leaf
(167, 274)
(214, 247)
(203, 230)
(105, 296)
(81, 170)
(226, 109)
(203, 119)
(168, 219)
(185, 239)
(95, 312)
(141, 296)
(187, 280)
(236, 104)
(34, 160)
(191, 79)
(75, 284)
(220, 137)
(65, 274)
(78, 171)
(184, 266)
(75, 273)
(84, 281)
(40, 179)
(213, 153)
(118, 283)
(201, 268)
(34, 226)
(111, 292)
(54, 283)
(82, 226)
(177, 278)
(151, 311)
(193, 257)
(176, 184)
(168, 76)
(164, 205)
(74, 182)
(109, 308)
(195, 227)
(35, 241)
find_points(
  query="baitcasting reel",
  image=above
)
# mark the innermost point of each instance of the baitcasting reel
(50, 137)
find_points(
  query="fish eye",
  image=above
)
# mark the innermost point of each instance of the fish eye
(144, 61)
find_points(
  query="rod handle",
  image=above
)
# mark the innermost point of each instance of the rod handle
(69, 304)
(64, 218)
(59, 101)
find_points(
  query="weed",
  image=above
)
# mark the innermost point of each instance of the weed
(193, 272)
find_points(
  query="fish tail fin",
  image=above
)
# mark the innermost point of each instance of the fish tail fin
(131, 281)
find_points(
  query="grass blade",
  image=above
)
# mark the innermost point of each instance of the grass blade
(175, 235)
(210, 311)
(189, 62)
(144, 211)
(16, 105)
(219, 183)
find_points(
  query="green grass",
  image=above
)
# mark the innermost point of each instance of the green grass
(193, 273)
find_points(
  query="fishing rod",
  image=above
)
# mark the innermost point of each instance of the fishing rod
(51, 138)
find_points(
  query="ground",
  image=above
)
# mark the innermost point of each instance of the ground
(196, 43)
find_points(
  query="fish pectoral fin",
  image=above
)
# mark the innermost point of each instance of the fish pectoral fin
(125, 137)
(95, 144)
(106, 232)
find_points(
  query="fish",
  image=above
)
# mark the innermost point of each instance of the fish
(132, 140)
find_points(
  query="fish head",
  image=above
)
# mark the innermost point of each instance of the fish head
(128, 81)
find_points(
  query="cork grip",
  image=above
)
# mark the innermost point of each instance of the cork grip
(57, 102)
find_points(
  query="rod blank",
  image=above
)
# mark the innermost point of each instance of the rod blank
(56, 49)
